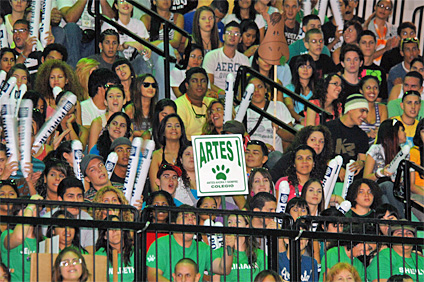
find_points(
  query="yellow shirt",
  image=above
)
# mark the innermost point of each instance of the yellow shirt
(409, 130)
(415, 158)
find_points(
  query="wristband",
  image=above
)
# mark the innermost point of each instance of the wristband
(29, 208)
(379, 173)
(229, 251)
(220, 90)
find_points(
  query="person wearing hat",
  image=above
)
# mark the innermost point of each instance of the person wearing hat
(122, 147)
(350, 141)
(95, 174)
(400, 257)
(192, 106)
(167, 180)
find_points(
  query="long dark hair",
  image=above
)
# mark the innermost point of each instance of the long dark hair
(321, 205)
(388, 137)
(153, 195)
(159, 107)
(127, 249)
(104, 142)
(252, 11)
(184, 176)
(352, 193)
(255, 66)
(161, 131)
(197, 35)
(136, 98)
(50, 164)
(418, 141)
(245, 25)
(301, 61)
(291, 170)
(321, 93)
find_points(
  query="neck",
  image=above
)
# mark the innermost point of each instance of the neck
(348, 252)
(164, 13)
(107, 59)
(206, 35)
(313, 209)
(98, 187)
(230, 51)
(192, 176)
(244, 13)
(116, 247)
(368, 60)
(302, 178)
(304, 82)
(407, 120)
(351, 77)
(315, 57)
(99, 101)
(120, 171)
(407, 65)
(291, 23)
(346, 121)
(179, 237)
(126, 84)
(125, 19)
(260, 105)
(380, 22)
(219, 129)
(240, 244)
(51, 196)
(361, 210)
(197, 102)
(145, 102)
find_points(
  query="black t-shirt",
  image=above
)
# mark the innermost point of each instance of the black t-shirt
(292, 34)
(348, 89)
(379, 72)
(116, 178)
(324, 65)
(183, 6)
(279, 169)
(329, 30)
(348, 141)
(390, 59)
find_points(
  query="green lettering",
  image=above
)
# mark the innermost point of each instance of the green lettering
(230, 154)
(215, 145)
(202, 155)
(238, 154)
(209, 151)
(222, 149)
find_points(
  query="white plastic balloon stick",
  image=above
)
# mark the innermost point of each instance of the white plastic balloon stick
(344, 207)
(34, 27)
(7, 89)
(337, 13)
(3, 75)
(46, 9)
(10, 132)
(330, 177)
(132, 168)
(307, 7)
(322, 9)
(77, 158)
(245, 103)
(3, 38)
(283, 196)
(25, 132)
(349, 175)
(19, 95)
(401, 155)
(110, 164)
(229, 98)
(143, 170)
(56, 91)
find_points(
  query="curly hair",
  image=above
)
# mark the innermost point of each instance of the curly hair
(291, 170)
(57, 275)
(42, 82)
(197, 35)
(388, 137)
(82, 71)
(136, 97)
(209, 127)
(104, 141)
(321, 93)
(159, 107)
(339, 267)
(98, 198)
(352, 193)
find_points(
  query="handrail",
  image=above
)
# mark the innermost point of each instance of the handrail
(420, 23)
(241, 80)
(167, 25)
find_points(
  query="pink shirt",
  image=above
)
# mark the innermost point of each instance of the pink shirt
(292, 193)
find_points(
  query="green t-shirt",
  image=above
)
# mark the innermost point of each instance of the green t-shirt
(128, 271)
(16, 267)
(383, 266)
(332, 257)
(242, 263)
(198, 252)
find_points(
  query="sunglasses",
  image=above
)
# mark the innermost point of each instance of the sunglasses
(409, 40)
(148, 84)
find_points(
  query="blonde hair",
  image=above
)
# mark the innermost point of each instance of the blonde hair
(337, 268)
(98, 198)
(82, 72)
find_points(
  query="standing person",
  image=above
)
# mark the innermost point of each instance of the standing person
(222, 61)
(351, 59)
(205, 29)
(350, 141)
(292, 28)
(108, 44)
(192, 106)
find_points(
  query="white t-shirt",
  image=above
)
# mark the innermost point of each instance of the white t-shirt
(264, 132)
(86, 21)
(89, 112)
(259, 20)
(137, 27)
(218, 64)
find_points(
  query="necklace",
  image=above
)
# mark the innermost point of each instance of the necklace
(206, 43)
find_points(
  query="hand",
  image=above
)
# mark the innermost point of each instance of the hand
(230, 240)
(70, 120)
(272, 224)
(29, 44)
(335, 199)
(9, 168)
(28, 169)
(139, 203)
(35, 176)
(385, 172)
(373, 133)
(342, 174)
(337, 35)
(55, 17)
(398, 81)
(57, 139)
(50, 37)
(270, 147)
(212, 94)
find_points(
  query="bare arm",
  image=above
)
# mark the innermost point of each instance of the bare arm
(154, 167)
(310, 117)
(383, 112)
(153, 275)
(289, 103)
(176, 41)
(95, 129)
(73, 14)
(223, 265)
(369, 167)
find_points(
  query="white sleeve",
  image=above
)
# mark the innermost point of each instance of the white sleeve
(209, 62)
(260, 21)
(283, 113)
(65, 3)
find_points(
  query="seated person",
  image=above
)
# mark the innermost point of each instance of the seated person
(256, 155)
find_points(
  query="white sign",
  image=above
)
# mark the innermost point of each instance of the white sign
(219, 165)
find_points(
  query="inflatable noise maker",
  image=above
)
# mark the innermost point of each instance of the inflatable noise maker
(40, 14)
(77, 158)
(348, 178)
(401, 155)
(330, 177)
(65, 104)
(6, 89)
(344, 207)
(3, 39)
(25, 132)
(229, 97)
(335, 8)
(241, 113)
(283, 198)
(3, 75)
(111, 161)
(10, 134)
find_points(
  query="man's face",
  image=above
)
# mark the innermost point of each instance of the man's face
(185, 272)
(291, 8)
(411, 106)
(367, 45)
(96, 173)
(232, 36)
(109, 46)
(352, 62)
(218, 15)
(315, 44)
(197, 86)
(259, 95)
(54, 55)
(363, 249)
(357, 116)
(411, 83)
(187, 218)
(20, 35)
(254, 156)
(407, 33)
(410, 52)
(313, 24)
(3, 160)
(270, 206)
(168, 181)
(123, 152)
(73, 194)
(403, 247)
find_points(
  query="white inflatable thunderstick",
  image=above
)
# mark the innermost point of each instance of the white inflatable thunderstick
(245, 103)
(77, 158)
(132, 168)
(229, 97)
(110, 164)
(56, 91)
(401, 155)
(349, 175)
(7, 89)
(337, 13)
(25, 133)
(330, 177)
(344, 207)
(19, 96)
(142, 171)
(10, 130)
(34, 27)
(3, 75)
(307, 7)
(66, 103)
(46, 9)
(283, 196)
(322, 10)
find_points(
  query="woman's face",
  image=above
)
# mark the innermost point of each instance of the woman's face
(217, 115)
(7, 61)
(245, 4)
(54, 177)
(161, 201)
(419, 67)
(260, 184)
(73, 270)
(123, 71)
(364, 198)
(208, 203)
(195, 59)
(173, 129)
(117, 128)
(40, 105)
(57, 78)
(383, 9)
(110, 197)
(264, 66)
(384, 228)
(166, 111)
(334, 88)
(124, 8)
(370, 90)
(248, 37)
(163, 4)
(305, 71)
(206, 21)
(316, 141)
(66, 234)
(115, 100)
(7, 192)
(350, 34)
(149, 87)
(401, 135)
(343, 276)
(304, 162)
(21, 77)
(297, 212)
(237, 221)
(187, 159)
(314, 194)
(114, 236)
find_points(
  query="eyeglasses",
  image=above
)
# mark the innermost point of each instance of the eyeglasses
(196, 114)
(382, 6)
(230, 33)
(193, 56)
(20, 30)
(148, 84)
(409, 40)
(74, 261)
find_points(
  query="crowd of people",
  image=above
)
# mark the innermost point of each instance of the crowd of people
(368, 76)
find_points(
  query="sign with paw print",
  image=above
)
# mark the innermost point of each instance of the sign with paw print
(219, 165)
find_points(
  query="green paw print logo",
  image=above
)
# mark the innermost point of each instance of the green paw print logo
(221, 172)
